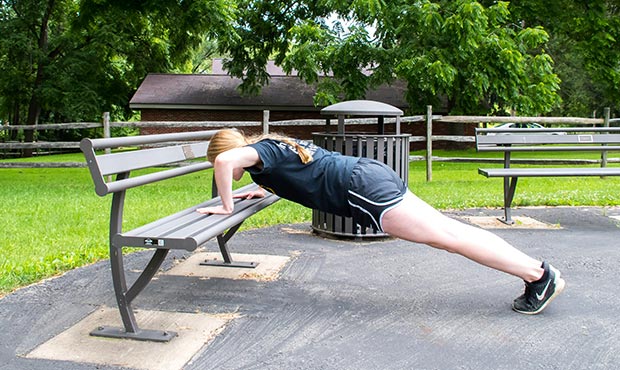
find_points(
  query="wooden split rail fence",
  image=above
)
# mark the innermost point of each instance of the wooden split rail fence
(428, 120)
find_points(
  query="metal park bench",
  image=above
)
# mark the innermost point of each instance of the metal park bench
(572, 139)
(166, 156)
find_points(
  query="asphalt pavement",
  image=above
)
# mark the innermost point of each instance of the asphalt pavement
(372, 304)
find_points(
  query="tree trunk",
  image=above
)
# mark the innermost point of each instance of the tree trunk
(34, 107)
(34, 110)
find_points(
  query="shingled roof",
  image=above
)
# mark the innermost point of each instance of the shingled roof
(219, 91)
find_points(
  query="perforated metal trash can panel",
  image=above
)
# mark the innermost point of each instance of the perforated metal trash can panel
(393, 150)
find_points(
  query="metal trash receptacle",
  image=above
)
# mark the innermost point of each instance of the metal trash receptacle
(391, 149)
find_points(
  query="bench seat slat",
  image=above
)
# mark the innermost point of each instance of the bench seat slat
(195, 225)
(549, 172)
(188, 223)
(230, 221)
(540, 148)
(188, 229)
(189, 212)
(176, 225)
(534, 139)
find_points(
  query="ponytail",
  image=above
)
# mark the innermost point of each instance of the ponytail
(303, 153)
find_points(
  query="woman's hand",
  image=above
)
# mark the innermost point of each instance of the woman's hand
(217, 210)
(260, 193)
(221, 210)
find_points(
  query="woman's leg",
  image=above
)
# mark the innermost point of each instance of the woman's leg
(416, 221)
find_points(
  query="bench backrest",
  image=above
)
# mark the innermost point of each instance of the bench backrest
(160, 151)
(560, 139)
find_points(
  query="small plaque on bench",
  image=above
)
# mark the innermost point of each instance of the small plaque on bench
(148, 242)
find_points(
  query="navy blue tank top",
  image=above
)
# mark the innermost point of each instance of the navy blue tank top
(320, 184)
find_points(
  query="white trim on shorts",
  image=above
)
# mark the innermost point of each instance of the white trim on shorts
(378, 224)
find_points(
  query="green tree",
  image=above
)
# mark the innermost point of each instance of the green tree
(473, 56)
(585, 44)
(476, 57)
(70, 60)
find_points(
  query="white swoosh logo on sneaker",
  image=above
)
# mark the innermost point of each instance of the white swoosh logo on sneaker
(542, 295)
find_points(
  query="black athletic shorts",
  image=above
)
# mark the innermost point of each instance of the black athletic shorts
(374, 189)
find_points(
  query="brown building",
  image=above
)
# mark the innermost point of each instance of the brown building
(215, 97)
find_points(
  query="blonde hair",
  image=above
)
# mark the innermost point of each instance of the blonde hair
(228, 139)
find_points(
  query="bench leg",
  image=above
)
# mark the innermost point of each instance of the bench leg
(222, 241)
(125, 296)
(510, 185)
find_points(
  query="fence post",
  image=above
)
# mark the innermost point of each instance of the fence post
(429, 143)
(605, 124)
(107, 134)
(265, 122)
(106, 128)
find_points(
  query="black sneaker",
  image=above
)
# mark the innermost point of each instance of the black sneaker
(540, 293)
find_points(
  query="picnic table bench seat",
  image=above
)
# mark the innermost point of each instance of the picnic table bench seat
(568, 139)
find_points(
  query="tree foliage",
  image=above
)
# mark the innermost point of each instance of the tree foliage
(585, 45)
(70, 60)
(473, 56)
(476, 57)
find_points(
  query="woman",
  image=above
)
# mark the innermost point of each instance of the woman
(374, 196)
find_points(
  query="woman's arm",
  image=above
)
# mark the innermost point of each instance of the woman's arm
(226, 164)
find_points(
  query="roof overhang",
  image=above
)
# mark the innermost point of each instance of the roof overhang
(220, 92)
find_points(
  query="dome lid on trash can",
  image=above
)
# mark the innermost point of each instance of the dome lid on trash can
(362, 108)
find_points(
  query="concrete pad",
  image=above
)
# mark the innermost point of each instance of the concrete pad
(76, 345)
(521, 222)
(268, 268)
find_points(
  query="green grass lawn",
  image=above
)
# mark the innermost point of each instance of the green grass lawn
(53, 221)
